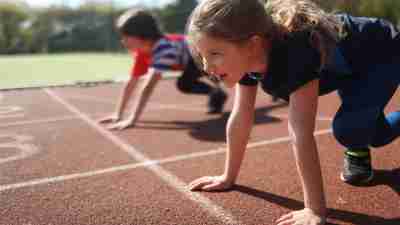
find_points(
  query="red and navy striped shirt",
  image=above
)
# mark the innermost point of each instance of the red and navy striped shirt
(169, 53)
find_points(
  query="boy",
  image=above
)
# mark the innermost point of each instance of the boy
(156, 53)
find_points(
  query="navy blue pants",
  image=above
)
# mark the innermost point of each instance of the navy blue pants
(360, 121)
(189, 82)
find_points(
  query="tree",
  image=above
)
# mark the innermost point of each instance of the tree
(11, 19)
(388, 9)
(174, 16)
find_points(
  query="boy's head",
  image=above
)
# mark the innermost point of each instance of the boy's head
(138, 25)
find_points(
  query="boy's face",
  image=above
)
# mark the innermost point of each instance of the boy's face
(135, 43)
(226, 60)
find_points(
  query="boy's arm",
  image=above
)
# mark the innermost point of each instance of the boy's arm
(144, 94)
(123, 100)
(302, 112)
(125, 95)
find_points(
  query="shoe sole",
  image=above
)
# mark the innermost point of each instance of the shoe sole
(365, 181)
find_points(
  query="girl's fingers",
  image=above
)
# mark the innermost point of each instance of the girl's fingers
(104, 120)
(200, 180)
(213, 187)
(287, 222)
(194, 184)
(285, 217)
(112, 127)
(198, 183)
(200, 186)
(218, 186)
(123, 126)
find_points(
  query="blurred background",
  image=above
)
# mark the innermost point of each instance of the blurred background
(45, 42)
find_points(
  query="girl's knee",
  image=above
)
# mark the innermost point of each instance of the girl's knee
(352, 133)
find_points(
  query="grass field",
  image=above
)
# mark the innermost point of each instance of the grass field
(60, 69)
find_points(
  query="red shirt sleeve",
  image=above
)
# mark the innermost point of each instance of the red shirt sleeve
(141, 64)
(175, 37)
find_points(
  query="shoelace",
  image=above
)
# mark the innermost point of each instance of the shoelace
(358, 164)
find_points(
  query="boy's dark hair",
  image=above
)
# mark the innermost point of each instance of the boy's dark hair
(140, 23)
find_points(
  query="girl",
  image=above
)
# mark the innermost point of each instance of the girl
(297, 52)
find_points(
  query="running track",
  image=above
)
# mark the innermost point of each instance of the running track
(58, 166)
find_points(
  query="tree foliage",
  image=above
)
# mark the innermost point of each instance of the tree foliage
(11, 19)
(174, 16)
(91, 26)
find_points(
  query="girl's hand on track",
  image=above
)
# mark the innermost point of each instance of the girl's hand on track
(301, 217)
(109, 119)
(210, 183)
(121, 125)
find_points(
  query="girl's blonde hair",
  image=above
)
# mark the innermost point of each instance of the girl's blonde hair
(238, 20)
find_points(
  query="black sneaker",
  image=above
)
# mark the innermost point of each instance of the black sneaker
(357, 169)
(217, 101)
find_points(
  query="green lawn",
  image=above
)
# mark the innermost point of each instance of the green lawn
(59, 69)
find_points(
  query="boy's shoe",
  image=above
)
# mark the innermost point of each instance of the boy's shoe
(217, 101)
(357, 169)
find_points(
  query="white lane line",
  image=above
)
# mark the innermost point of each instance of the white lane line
(30, 122)
(192, 108)
(284, 139)
(168, 177)
(50, 120)
(188, 107)
(147, 163)
(21, 143)
(10, 109)
(71, 176)
(286, 116)
(12, 116)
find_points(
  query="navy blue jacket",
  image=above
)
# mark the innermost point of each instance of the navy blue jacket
(293, 61)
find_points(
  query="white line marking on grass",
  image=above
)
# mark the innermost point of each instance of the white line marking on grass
(168, 177)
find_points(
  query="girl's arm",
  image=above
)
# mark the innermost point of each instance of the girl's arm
(144, 94)
(302, 112)
(238, 131)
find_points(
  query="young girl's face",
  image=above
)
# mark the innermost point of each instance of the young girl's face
(226, 60)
